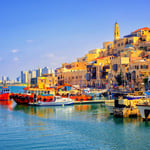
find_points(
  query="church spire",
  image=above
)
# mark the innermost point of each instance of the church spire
(116, 32)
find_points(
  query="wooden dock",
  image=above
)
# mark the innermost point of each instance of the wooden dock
(89, 102)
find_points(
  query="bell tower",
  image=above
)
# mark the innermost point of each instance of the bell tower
(116, 32)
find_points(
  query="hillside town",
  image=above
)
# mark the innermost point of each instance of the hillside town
(124, 62)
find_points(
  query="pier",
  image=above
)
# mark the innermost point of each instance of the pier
(89, 102)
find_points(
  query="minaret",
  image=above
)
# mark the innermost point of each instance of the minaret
(116, 32)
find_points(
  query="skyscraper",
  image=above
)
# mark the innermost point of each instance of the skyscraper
(38, 72)
(46, 70)
(24, 77)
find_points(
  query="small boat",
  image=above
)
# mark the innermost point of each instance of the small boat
(136, 95)
(57, 101)
(4, 96)
(131, 97)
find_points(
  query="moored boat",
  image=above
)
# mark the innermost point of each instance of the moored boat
(131, 97)
(4, 96)
(45, 95)
(136, 95)
(74, 93)
(57, 101)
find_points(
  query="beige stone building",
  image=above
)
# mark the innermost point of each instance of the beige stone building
(47, 80)
(139, 70)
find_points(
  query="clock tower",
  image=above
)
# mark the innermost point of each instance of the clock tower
(116, 32)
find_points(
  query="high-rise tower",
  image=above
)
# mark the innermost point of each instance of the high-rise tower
(116, 32)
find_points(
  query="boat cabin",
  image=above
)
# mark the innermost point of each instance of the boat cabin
(5, 90)
(39, 91)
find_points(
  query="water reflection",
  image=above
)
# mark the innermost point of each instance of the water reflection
(93, 112)
(135, 121)
(6, 106)
(38, 111)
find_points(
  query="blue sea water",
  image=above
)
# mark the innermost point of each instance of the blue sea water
(77, 127)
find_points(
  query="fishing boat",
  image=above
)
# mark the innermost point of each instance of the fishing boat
(45, 94)
(4, 96)
(74, 93)
(42, 94)
(57, 101)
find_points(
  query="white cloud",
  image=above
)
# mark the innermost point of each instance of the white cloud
(29, 41)
(14, 51)
(50, 55)
(16, 59)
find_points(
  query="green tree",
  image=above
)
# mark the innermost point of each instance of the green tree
(119, 79)
(145, 80)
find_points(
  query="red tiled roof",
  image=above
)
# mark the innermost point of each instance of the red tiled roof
(145, 28)
(101, 57)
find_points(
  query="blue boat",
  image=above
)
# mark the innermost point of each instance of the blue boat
(131, 97)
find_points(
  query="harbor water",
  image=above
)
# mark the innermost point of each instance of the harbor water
(76, 127)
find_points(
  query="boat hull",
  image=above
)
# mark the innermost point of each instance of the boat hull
(5, 100)
(51, 103)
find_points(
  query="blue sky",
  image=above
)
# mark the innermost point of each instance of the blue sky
(38, 33)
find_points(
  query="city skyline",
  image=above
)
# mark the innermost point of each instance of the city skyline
(37, 34)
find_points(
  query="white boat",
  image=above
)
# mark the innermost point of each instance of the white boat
(144, 110)
(57, 101)
(132, 97)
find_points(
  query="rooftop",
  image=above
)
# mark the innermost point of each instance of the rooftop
(145, 28)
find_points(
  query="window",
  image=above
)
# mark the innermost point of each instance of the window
(146, 66)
